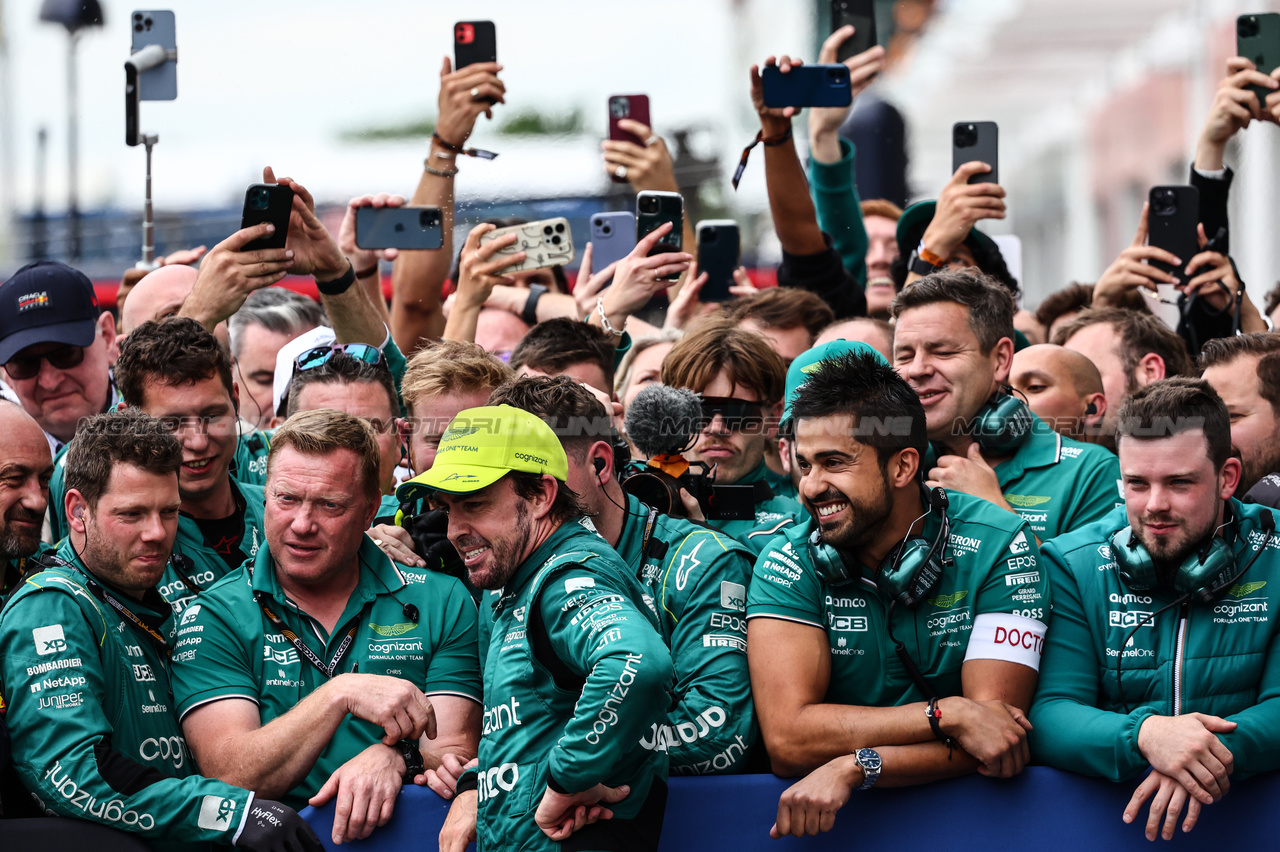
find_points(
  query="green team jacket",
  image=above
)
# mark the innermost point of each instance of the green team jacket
(1222, 659)
(1057, 484)
(227, 648)
(248, 467)
(772, 515)
(13, 570)
(990, 604)
(202, 565)
(696, 580)
(91, 715)
(580, 725)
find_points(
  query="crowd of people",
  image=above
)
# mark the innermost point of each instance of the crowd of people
(263, 551)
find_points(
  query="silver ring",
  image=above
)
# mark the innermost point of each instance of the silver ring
(652, 140)
(620, 172)
(475, 93)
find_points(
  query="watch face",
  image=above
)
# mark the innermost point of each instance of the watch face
(869, 758)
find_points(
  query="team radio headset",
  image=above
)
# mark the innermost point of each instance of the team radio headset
(908, 574)
(1205, 573)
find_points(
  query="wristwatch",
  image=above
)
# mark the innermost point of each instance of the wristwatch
(920, 266)
(414, 766)
(869, 760)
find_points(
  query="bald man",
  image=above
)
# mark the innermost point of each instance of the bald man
(160, 294)
(1062, 387)
(25, 469)
(876, 333)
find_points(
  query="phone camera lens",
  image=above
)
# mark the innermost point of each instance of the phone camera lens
(137, 28)
(555, 241)
(1247, 27)
(606, 230)
(966, 136)
(546, 229)
(560, 227)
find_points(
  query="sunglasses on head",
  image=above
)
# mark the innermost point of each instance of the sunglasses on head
(738, 414)
(28, 366)
(320, 355)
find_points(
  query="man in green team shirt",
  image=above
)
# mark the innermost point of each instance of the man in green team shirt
(741, 380)
(177, 372)
(24, 493)
(575, 671)
(696, 580)
(1163, 650)
(84, 662)
(314, 670)
(881, 561)
(953, 343)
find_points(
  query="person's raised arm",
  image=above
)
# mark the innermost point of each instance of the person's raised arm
(418, 276)
(352, 313)
(831, 159)
(1234, 107)
(228, 274)
(961, 205)
(794, 217)
(479, 271)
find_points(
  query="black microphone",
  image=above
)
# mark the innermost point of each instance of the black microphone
(663, 420)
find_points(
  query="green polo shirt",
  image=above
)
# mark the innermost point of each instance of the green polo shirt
(773, 514)
(1058, 484)
(991, 603)
(250, 462)
(202, 564)
(226, 647)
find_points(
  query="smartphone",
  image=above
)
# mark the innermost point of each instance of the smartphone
(861, 15)
(267, 202)
(548, 242)
(719, 245)
(807, 86)
(613, 236)
(976, 140)
(634, 107)
(1258, 40)
(1171, 225)
(156, 27)
(414, 228)
(652, 209)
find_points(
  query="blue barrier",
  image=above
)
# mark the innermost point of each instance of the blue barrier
(1042, 809)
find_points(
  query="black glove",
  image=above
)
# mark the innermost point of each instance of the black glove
(273, 827)
(430, 533)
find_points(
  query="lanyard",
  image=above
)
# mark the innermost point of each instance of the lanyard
(125, 613)
(303, 650)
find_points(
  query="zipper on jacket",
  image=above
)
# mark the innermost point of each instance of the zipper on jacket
(1178, 653)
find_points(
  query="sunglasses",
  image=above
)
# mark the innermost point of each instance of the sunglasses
(21, 367)
(320, 355)
(739, 415)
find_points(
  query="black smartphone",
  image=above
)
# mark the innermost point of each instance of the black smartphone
(267, 202)
(1172, 217)
(719, 244)
(652, 209)
(415, 228)
(976, 140)
(807, 86)
(1258, 40)
(474, 41)
(861, 15)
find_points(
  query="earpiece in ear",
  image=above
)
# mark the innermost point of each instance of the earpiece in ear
(599, 466)
(1090, 409)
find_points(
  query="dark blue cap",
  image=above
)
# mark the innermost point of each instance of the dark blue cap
(46, 302)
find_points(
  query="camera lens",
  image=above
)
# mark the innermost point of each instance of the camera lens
(1247, 27)
(710, 235)
(606, 230)
(546, 229)
(555, 241)
(560, 227)
(648, 204)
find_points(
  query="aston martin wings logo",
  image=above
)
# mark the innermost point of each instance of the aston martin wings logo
(1026, 502)
(1239, 591)
(947, 601)
(391, 629)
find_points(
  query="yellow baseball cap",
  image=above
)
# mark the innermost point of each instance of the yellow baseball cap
(482, 445)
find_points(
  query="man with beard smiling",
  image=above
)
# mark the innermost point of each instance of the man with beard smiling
(1163, 646)
(1245, 372)
(24, 493)
(883, 560)
(575, 670)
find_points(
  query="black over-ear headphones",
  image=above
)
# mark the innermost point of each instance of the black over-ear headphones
(908, 573)
(1003, 424)
(1203, 575)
